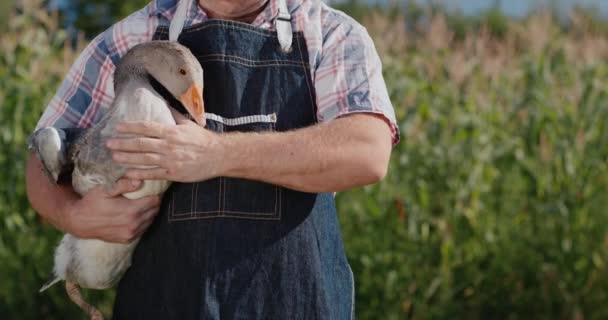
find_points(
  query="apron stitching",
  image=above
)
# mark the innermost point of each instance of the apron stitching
(228, 211)
(191, 213)
(220, 199)
(223, 208)
(234, 27)
(172, 205)
(352, 303)
(279, 196)
(192, 205)
(196, 199)
(232, 216)
(225, 57)
(268, 214)
(255, 65)
(248, 60)
(276, 188)
(251, 215)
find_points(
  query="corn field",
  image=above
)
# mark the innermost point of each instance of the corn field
(496, 202)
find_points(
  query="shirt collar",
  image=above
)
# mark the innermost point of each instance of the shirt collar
(195, 14)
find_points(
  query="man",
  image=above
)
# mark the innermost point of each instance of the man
(250, 229)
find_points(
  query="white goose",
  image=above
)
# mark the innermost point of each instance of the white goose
(148, 77)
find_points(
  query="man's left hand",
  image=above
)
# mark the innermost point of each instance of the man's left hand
(184, 152)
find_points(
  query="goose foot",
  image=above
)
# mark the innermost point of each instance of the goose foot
(76, 296)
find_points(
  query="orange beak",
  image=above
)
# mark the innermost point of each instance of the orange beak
(192, 100)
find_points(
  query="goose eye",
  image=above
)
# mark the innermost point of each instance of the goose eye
(182, 71)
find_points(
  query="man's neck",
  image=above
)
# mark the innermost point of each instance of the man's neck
(243, 11)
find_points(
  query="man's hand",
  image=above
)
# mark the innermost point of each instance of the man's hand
(184, 152)
(101, 214)
(108, 216)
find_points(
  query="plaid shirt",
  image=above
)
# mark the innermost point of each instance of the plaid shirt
(345, 66)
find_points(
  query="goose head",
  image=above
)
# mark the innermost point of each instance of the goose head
(171, 69)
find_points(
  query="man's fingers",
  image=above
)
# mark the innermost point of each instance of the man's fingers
(136, 158)
(147, 174)
(123, 186)
(141, 144)
(142, 128)
(146, 203)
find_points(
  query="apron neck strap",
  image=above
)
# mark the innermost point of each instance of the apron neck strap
(282, 23)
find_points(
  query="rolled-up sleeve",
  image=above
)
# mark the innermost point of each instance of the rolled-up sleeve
(348, 78)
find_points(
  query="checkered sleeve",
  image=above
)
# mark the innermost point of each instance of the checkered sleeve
(349, 78)
(86, 91)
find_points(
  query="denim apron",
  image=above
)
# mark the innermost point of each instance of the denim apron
(232, 248)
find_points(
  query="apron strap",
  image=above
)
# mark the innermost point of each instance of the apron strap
(179, 19)
(282, 23)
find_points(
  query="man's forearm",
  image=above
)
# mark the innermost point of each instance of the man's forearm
(345, 153)
(49, 200)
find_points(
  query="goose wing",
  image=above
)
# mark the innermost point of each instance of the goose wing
(93, 164)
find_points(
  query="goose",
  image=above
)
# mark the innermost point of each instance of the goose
(150, 76)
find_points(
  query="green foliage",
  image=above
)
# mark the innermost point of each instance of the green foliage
(32, 63)
(493, 207)
(5, 9)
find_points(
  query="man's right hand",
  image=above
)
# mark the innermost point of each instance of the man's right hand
(108, 216)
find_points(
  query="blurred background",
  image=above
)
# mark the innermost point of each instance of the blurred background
(496, 203)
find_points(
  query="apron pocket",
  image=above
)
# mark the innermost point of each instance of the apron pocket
(250, 199)
(195, 200)
(228, 197)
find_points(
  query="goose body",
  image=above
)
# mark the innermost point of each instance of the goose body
(94, 263)
(144, 71)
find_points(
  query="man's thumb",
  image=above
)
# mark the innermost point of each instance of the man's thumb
(124, 186)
